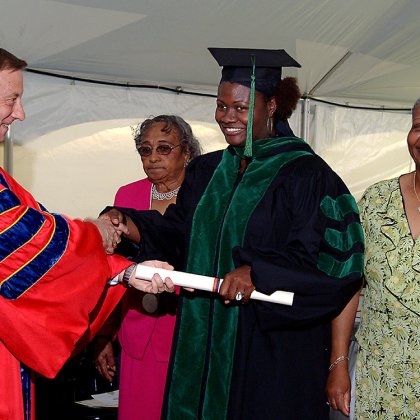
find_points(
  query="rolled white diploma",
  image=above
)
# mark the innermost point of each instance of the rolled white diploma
(210, 284)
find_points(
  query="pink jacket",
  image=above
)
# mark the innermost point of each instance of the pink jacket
(139, 330)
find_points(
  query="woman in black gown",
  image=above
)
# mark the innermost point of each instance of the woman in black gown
(265, 214)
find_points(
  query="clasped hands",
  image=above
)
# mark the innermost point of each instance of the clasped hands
(111, 226)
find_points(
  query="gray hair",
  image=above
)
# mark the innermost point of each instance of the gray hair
(416, 104)
(188, 141)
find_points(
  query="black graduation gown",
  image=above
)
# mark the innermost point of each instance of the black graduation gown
(282, 353)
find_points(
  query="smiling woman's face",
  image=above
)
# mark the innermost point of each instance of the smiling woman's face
(163, 168)
(232, 113)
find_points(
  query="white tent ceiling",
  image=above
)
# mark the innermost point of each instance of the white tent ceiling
(75, 147)
(164, 42)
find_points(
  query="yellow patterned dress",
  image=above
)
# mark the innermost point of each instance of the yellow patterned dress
(388, 362)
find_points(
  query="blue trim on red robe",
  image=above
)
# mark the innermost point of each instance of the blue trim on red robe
(26, 228)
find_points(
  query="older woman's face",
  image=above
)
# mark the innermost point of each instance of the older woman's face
(163, 168)
(232, 113)
(413, 138)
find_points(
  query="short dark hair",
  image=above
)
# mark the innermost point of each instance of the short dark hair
(189, 142)
(8, 61)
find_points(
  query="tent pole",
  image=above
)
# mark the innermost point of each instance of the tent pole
(304, 129)
(304, 126)
(330, 72)
(8, 152)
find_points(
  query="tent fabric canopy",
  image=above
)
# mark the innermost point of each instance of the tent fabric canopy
(165, 43)
(75, 146)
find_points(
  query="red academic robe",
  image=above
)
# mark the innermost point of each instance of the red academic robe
(53, 293)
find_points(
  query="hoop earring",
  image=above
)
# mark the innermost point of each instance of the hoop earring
(270, 125)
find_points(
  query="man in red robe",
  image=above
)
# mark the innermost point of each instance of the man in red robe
(53, 274)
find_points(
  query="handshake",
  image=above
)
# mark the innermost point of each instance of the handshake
(112, 225)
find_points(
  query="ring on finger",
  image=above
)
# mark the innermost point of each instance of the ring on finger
(239, 296)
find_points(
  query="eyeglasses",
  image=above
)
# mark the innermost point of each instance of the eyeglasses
(163, 149)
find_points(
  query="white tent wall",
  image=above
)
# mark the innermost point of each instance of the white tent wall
(362, 146)
(79, 174)
(76, 148)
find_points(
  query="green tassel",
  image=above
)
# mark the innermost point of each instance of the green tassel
(248, 143)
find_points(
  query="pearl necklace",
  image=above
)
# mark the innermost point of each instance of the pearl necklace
(156, 195)
(415, 192)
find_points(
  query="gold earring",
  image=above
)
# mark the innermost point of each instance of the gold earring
(270, 124)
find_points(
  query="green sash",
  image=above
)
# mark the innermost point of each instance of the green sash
(207, 334)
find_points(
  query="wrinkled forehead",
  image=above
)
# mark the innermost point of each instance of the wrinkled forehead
(160, 131)
(11, 82)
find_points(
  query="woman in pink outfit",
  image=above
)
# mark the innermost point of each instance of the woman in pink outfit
(166, 144)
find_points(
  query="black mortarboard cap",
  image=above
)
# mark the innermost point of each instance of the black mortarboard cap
(258, 69)
(238, 63)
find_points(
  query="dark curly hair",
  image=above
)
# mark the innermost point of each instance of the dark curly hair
(172, 122)
(287, 96)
